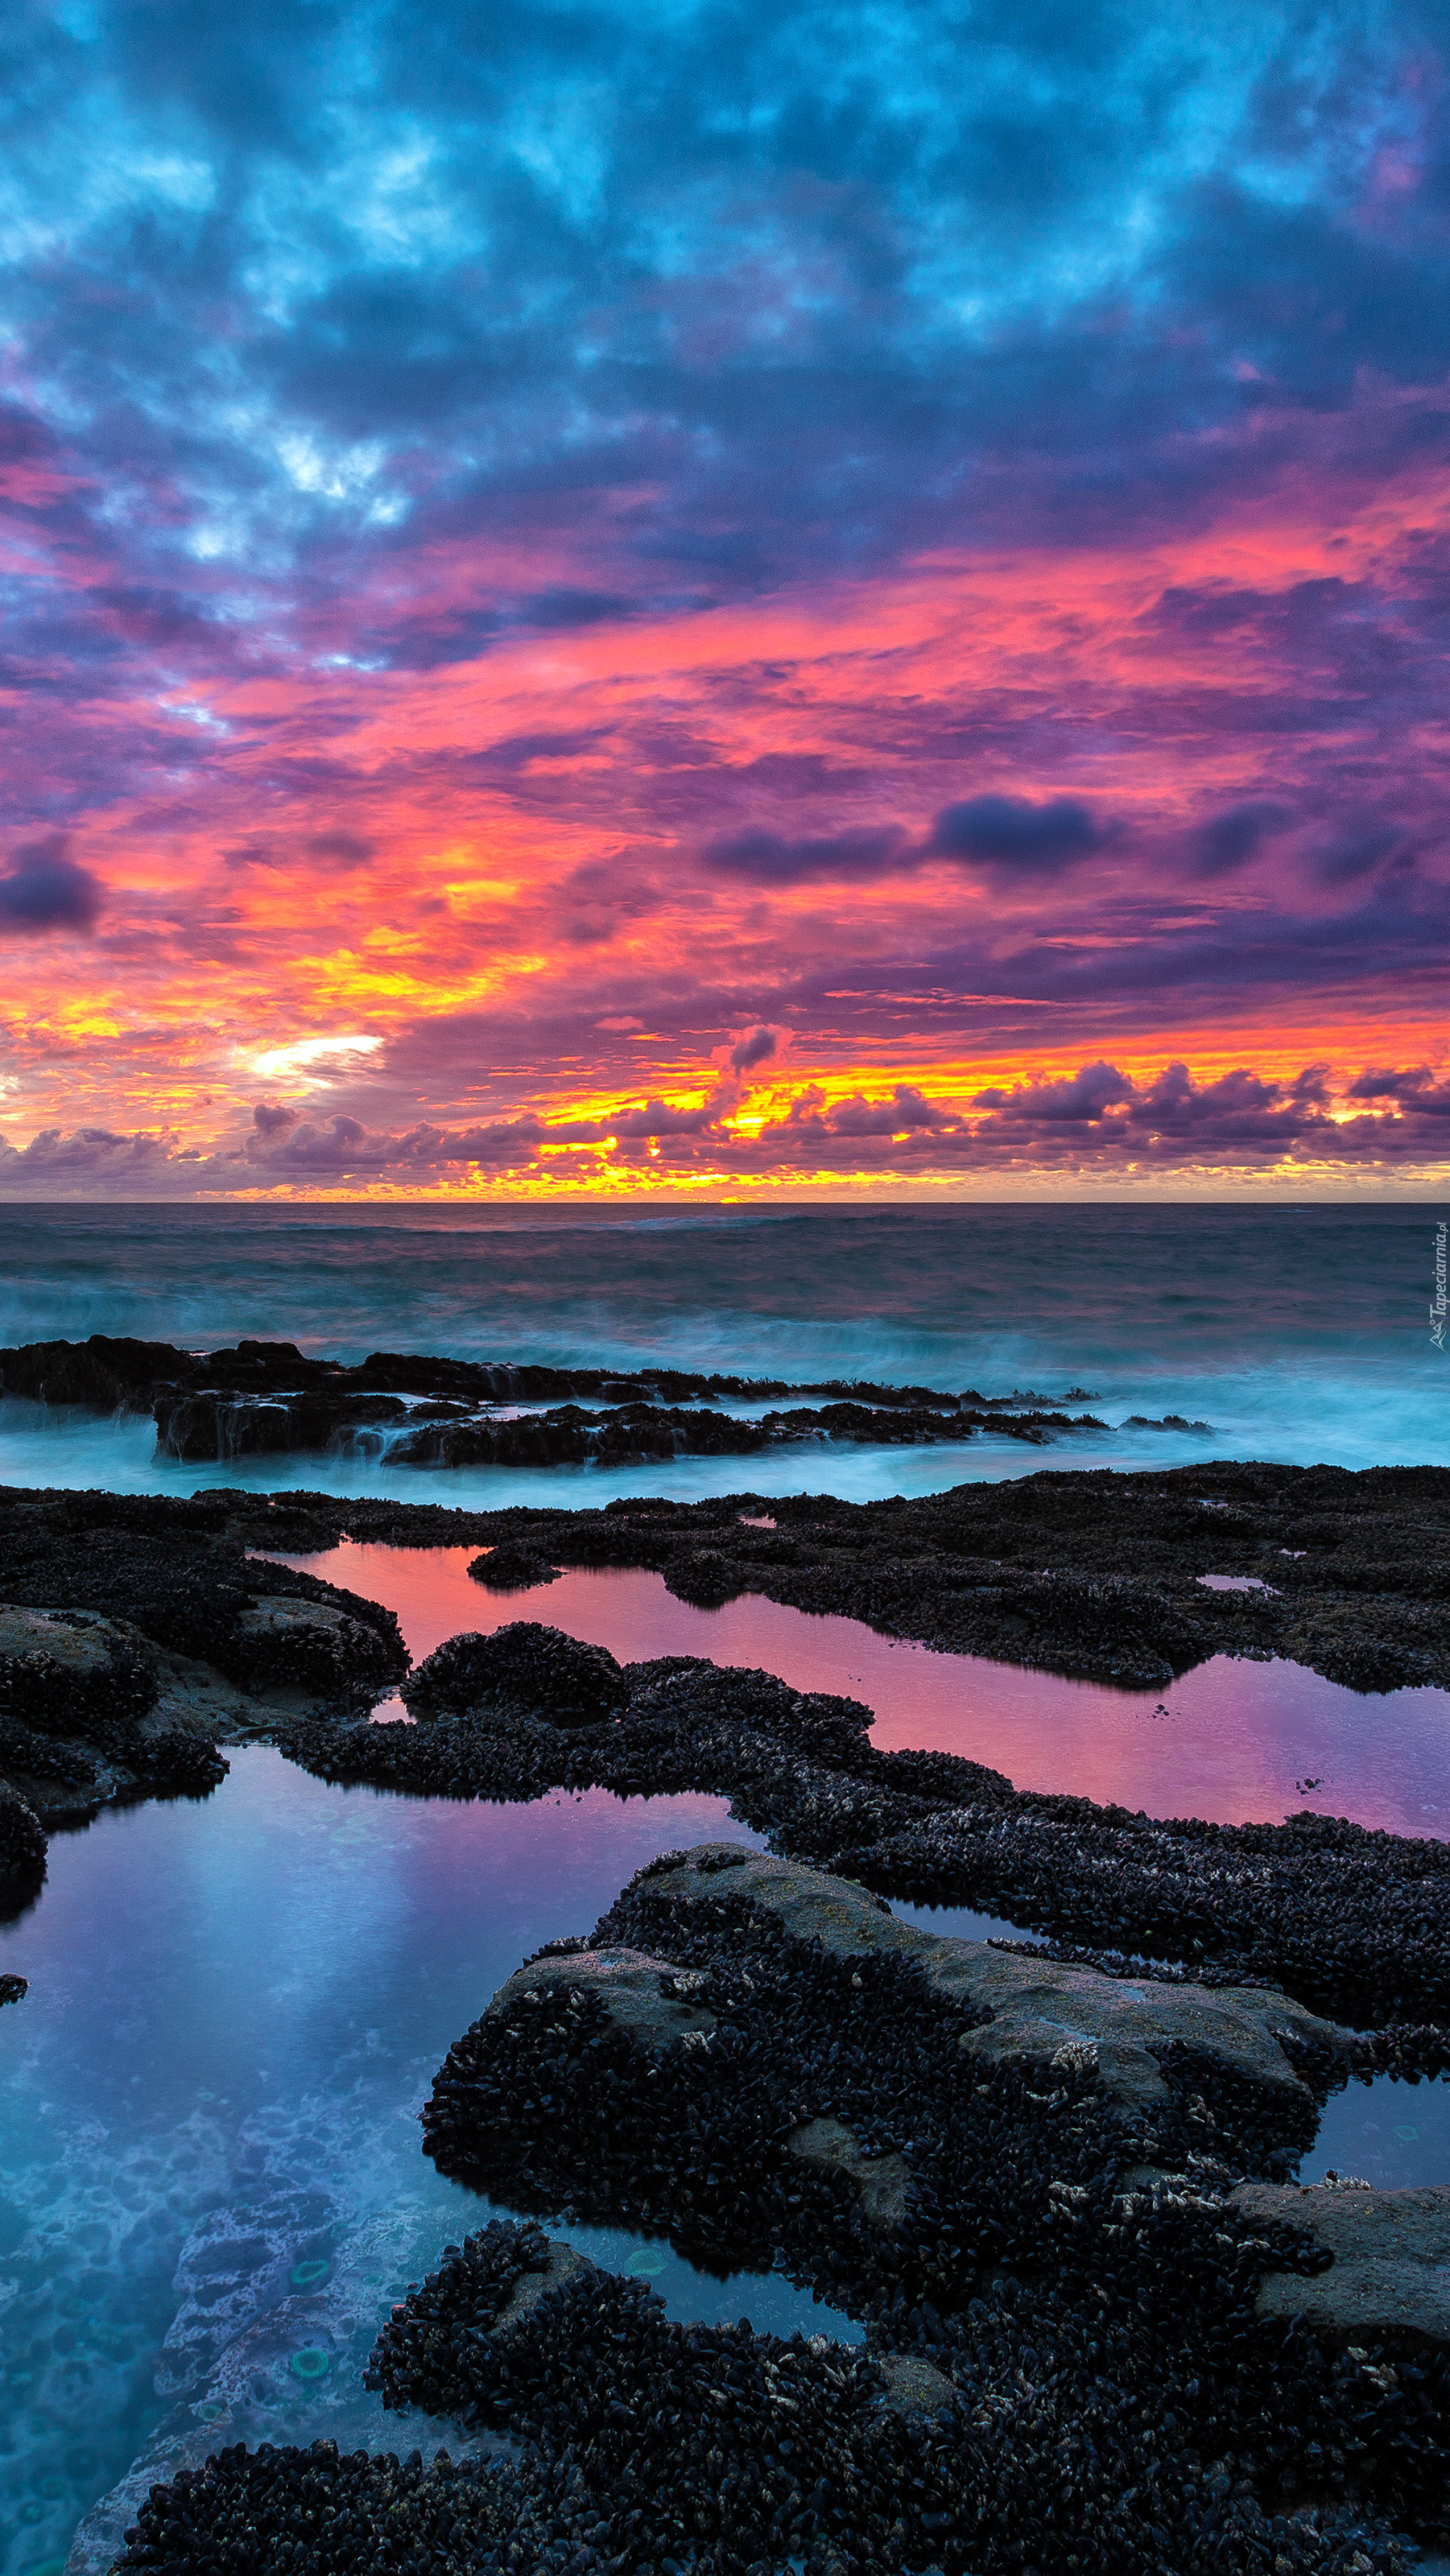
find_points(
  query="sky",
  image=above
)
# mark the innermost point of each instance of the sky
(732, 599)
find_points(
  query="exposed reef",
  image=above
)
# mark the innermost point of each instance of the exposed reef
(1086, 1572)
(1098, 2341)
(1106, 2334)
(130, 1647)
(1353, 1922)
(262, 1399)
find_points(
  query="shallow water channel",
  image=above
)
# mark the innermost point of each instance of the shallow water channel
(1234, 1741)
(211, 2181)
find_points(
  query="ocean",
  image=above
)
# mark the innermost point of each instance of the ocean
(1298, 1334)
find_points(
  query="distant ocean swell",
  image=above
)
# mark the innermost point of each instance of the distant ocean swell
(1297, 1333)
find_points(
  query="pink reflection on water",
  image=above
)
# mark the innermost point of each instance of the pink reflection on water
(1234, 1742)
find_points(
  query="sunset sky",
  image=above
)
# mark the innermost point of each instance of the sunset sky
(724, 599)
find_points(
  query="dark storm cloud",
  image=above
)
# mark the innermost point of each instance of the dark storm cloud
(755, 1047)
(1011, 836)
(1015, 835)
(1078, 1102)
(342, 849)
(905, 1113)
(44, 889)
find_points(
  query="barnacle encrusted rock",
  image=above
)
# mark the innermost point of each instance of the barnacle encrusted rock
(1023, 2176)
(64, 1671)
(506, 1568)
(527, 1666)
(124, 1658)
(1077, 2361)
(1023, 2009)
(650, 2001)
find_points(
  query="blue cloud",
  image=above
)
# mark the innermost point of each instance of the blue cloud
(1014, 834)
(44, 890)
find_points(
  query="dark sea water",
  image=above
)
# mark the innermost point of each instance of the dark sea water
(1297, 1333)
(211, 2184)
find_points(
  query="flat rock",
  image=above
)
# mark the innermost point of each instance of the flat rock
(1391, 2267)
(1038, 2007)
(881, 2181)
(565, 2265)
(627, 1983)
(913, 2386)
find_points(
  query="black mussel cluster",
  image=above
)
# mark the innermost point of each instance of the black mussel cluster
(346, 1658)
(550, 2100)
(712, 2447)
(63, 1716)
(1119, 2402)
(524, 1666)
(1065, 2371)
(1355, 1923)
(314, 2513)
(1048, 2436)
(652, 2449)
(175, 1759)
(42, 1757)
(13, 1988)
(81, 1695)
(508, 1568)
(22, 1839)
(174, 1571)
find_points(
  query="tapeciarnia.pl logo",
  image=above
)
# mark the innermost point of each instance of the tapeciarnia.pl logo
(1437, 1302)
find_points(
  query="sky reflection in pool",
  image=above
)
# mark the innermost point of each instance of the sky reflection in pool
(1233, 1741)
(1389, 2133)
(236, 2007)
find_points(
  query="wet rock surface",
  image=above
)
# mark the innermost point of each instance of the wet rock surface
(262, 1398)
(133, 1637)
(1354, 1923)
(1084, 1572)
(1388, 2274)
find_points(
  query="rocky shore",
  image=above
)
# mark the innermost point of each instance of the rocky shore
(1351, 1921)
(1105, 2331)
(128, 1655)
(1086, 1571)
(1099, 2336)
(265, 1399)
